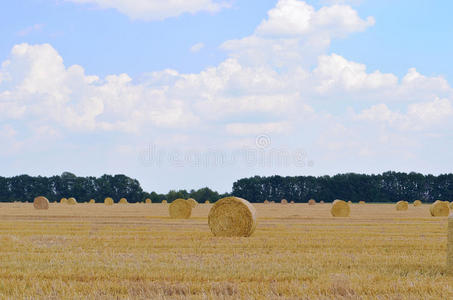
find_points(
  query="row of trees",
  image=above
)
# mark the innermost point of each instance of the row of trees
(386, 187)
(26, 188)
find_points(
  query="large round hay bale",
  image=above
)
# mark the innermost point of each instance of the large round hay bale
(232, 217)
(207, 202)
(361, 202)
(72, 201)
(92, 201)
(340, 209)
(180, 209)
(417, 203)
(450, 246)
(266, 201)
(123, 201)
(311, 202)
(292, 202)
(402, 205)
(64, 201)
(41, 203)
(439, 209)
(164, 202)
(192, 202)
(108, 201)
(148, 201)
(284, 201)
(451, 205)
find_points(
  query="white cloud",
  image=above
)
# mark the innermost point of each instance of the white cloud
(30, 29)
(150, 10)
(197, 47)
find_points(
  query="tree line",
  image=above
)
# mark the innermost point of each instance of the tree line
(386, 187)
(25, 188)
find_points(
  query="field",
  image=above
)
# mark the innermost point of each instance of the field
(297, 252)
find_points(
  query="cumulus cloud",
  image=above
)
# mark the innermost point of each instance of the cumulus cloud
(150, 10)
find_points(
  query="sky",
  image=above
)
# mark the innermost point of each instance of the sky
(196, 93)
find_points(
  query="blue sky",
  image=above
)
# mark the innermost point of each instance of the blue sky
(221, 90)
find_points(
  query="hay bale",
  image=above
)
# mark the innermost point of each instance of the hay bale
(361, 202)
(148, 201)
(192, 202)
(41, 203)
(292, 202)
(349, 202)
(92, 201)
(164, 202)
(123, 201)
(340, 209)
(311, 202)
(451, 205)
(402, 205)
(322, 202)
(108, 201)
(439, 209)
(266, 202)
(72, 201)
(207, 202)
(450, 246)
(180, 209)
(64, 201)
(417, 203)
(232, 217)
(284, 201)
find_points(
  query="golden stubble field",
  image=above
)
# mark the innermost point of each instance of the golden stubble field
(298, 251)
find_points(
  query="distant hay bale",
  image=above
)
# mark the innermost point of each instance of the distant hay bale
(292, 202)
(322, 202)
(148, 201)
(123, 201)
(164, 202)
(64, 201)
(232, 217)
(349, 202)
(402, 205)
(192, 202)
(207, 202)
(284, 201)
(340, 209)
(450, 246)
(41, 203)
(361, 202)
(92, 201)
(180, 209)
(439, 209)
(266, 202)
(108, 201)
(417, 203)
(311, 202)
(72, 201)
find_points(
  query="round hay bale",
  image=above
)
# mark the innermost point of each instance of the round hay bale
(266, 202)
(64, 201)
(349, 202)
(439, 209)
(284, 201)
(148, 201)
(72, 201)
(311, 202)
(207, 202)
(180, 209)
(292, 202)
(417, 203)
(232, 217)
(164, 202)
(402, 205)
(361, 202)
(450, 246)
(108, 201)
(451, 205)
(92, 201)
(123, 201)
(41, 203)
(340, 209)
(192, 202)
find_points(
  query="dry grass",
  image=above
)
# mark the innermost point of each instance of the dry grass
(297, 252)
